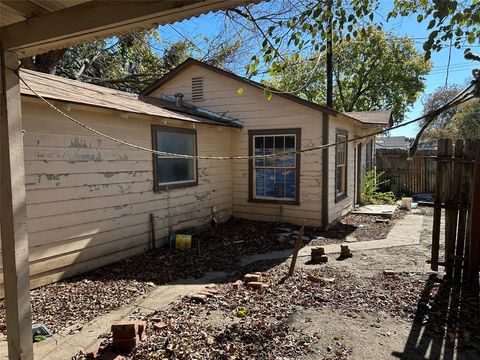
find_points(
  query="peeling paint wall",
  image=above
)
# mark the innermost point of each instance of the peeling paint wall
(256, 112)
(89, 200)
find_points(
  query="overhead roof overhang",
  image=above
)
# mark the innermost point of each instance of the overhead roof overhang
(37, 26)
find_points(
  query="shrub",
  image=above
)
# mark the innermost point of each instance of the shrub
(370, 190)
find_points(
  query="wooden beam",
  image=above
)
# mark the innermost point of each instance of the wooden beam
(100, 19)
(27, 8)
(13, 218)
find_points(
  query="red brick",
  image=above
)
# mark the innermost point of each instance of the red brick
(319, 259)
(206, 293)
(318, 251)
(159, 326)
(255, 284)
(252, 278)
(125, 344)
(125, 329)
(237, 285)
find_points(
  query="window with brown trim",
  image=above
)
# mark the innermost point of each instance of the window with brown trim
(173, 172)
(341, 152)
(274, 179)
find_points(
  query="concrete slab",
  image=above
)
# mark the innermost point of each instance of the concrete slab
(378, 210)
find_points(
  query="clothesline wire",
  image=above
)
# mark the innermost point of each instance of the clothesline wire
(461, 97)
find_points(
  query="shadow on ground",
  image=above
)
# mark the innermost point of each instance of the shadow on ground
(447, 323)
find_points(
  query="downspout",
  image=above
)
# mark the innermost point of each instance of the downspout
(325, 121)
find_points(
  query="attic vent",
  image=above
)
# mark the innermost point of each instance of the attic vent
(197, 89)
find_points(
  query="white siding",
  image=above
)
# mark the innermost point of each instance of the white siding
(89, 199)
(256, 112)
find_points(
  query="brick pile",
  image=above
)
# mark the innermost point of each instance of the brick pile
(318, 255)
(203, 295)
(251, 280)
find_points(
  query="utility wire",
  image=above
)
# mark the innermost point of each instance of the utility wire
(463, 96)
(448, 64)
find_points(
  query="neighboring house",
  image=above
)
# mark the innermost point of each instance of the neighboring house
(393, 142)
(403, 143)
(89, 199)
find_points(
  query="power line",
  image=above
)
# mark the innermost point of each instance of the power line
(463, 96)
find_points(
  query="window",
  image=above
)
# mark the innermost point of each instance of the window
(197, 89)
(172, 172)
(341, 167)
(274, 179)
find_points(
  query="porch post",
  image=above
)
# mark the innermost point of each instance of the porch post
(13, 214)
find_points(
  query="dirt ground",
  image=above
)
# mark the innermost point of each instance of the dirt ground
(345, 309)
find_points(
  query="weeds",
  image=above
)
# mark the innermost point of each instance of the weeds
(370, 190)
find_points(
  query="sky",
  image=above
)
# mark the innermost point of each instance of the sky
(460, 70)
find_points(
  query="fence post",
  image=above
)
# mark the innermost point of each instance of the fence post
(456, 252)
(437, 211)
(474, 240)
(450, 212)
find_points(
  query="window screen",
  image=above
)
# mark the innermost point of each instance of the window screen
(171, 170)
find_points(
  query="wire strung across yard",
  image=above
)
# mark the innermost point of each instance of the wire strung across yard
(468, 93)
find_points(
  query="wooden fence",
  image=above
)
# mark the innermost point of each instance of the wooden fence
(406, 177)
(457, 192)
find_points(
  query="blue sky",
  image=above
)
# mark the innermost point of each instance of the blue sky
(459, 69)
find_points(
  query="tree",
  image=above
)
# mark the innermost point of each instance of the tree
(466, 121)
(458, 21)
(373, 71)
(307, 26)
(461, 122)
(128, 62)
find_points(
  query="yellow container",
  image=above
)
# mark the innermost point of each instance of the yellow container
(183, 242)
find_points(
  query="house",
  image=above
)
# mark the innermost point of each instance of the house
(394, 142)
(89, 199)
(403, 143)
(30, 28)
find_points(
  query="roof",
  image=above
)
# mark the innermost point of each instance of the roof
(31, 27)
(77, 92)
(381, 117)
(393, 142)
(190, 62)
(378, 117)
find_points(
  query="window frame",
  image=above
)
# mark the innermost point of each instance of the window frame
(344, 195)
(178, 184)
(272, 132)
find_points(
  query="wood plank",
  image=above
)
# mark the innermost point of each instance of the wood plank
(463, 200)
(457, 169)
(13, 227)
(437, 212)
(450, 213)
(474, 240)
